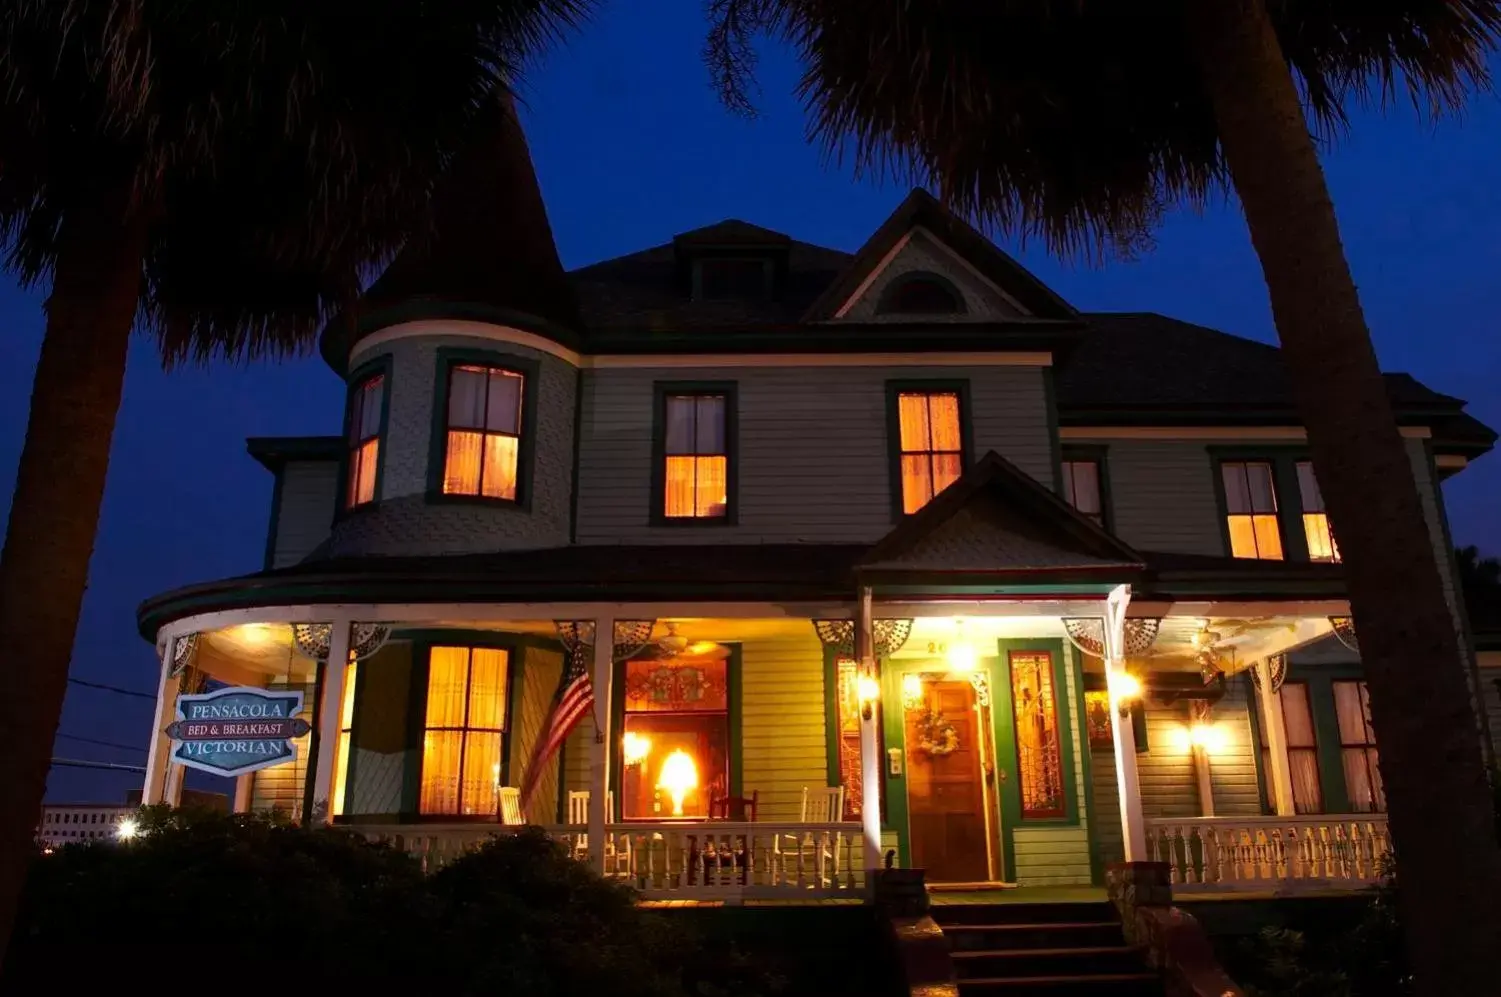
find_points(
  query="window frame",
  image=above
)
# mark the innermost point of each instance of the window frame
(1283, 461)
(1099, 456)
(1068, 698)
(1320, 681)
(423, 643)
(661, 390)
(437, 450)
(358, 378)
(931, 386)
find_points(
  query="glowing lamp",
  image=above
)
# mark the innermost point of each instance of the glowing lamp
(1210, 737)
(634, 748)
(962, 656)
(679, 775)
(129, 829)
(911, 691)
(1125, 688)
(869, 690)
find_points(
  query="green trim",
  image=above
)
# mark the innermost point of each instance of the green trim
(1099, 455)
(423, 642)
(617, 735)
(1253, 709)
(560, 814)
(268, 561)
(1067, 748)
(383, 366)
(1327, 742)
(894, 388)
(658, 490)
(734, 704)
(354, 733)
(1086, 770)
(437, 448)
(314, 742)
(893, 732)
(831, 714)
(1056, 448)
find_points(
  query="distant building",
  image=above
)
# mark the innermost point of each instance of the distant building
(67, 823)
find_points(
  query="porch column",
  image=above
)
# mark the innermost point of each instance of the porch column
(1128, 786)
(870, 741)
(330, 713)
(1276, 738)
(1202, 713)
(599, 758)
(243, 785)
(158, 752)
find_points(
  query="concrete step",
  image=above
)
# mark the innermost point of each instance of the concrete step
(968, 937)
(1116, 985)
(1023, 913)
(1095, 960)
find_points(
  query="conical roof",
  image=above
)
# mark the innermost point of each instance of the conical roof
(488, 254)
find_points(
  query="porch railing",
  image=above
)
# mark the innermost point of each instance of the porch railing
(722, 860)
(1283, 854)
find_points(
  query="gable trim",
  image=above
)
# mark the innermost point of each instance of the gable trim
(974, 272)
(876, 271)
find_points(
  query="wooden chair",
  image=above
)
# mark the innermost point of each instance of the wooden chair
(824, 805)
(578, 816)
(738, 808)
(510, 807)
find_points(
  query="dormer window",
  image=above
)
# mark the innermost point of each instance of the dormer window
(364, 423)
(921, 293)
(731, 279)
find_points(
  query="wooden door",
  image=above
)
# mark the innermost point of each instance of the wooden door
(945, 804)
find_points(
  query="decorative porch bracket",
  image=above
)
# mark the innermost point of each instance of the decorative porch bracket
(887, 636)
(1344, 629)
(313, 640)
(1087, 633)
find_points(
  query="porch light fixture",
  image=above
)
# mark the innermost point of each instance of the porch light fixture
(869, 690)
(1126, 689)
(911, 690)
(1209, 736)
(634, 748)
(961, 653)
(679, 775)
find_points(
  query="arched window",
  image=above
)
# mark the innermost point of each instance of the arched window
(921, 293)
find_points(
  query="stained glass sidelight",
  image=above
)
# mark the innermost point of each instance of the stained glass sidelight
(1097, 716)
(847, 674)
(464, 727)
(1039, 760)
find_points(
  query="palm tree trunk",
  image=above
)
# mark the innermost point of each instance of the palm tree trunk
(55, 511)
(1441, 819)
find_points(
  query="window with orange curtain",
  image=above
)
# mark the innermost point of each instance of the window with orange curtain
(341, 750)
(1321, 545)
(1302, 750)
(696, 457)
(931, 445)
(464, 730)
(1357, 747)
(484, 431)
(1251, 510)
(366, 406)
(1039, 742)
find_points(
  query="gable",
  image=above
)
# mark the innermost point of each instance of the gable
(919, 252)
(987, 534)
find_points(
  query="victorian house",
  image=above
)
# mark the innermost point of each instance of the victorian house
(738, 560)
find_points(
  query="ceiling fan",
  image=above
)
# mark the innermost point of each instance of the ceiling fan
(674, 645)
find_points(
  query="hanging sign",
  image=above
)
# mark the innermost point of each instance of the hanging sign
(237, 730)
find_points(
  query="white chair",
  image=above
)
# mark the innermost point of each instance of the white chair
(824, 805)
(578, 816)
(510, 807)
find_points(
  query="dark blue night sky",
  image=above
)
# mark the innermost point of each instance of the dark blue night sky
(633, 149)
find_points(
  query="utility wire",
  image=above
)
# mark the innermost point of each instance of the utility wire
(80, 763)
(113, 688)
(103, 744)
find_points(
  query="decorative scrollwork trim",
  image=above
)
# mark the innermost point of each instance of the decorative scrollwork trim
(1344, 629)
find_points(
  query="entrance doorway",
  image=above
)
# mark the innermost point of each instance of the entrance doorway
(946, 762)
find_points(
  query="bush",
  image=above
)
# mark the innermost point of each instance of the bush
(254, 898)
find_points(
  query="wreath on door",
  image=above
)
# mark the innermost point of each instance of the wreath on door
(935, 735)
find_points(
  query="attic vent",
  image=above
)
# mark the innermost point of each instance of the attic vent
(732, 279)
(921, 293)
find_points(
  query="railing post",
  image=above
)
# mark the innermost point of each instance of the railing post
(599, 759)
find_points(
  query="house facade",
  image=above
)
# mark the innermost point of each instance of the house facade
(898, 552)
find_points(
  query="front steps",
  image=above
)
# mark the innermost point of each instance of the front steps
(1060, 950)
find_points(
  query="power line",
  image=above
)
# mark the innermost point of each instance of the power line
(102, 744)
(113, 688)
(80, 763)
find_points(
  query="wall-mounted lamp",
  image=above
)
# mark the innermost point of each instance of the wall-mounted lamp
(961, 653)
(869, 690)
(911, 690)
(1125, 688)
(1209, 736)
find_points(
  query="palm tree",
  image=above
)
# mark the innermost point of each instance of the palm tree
(1080, 121)
(219, 175)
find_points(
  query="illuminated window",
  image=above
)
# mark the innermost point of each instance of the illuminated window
(1302, 750)
(851, 775)
(465, 724)
(1039, 759)
(1321, 545)
(931, 445)
(1357, 745)
(341, 750)
(696, 457)
(366, 405)
(677, 723)
(484, 432)
(1081, 488)
(1251, 510)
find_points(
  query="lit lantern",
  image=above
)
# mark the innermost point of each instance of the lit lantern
(1209, 736)
(634, 748)
(679, 775)
(961, 653)
(912, 690)
(1125, 688)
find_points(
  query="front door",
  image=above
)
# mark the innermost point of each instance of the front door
(945, 804)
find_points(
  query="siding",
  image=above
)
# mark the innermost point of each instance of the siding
(540, 671)
(1059, 856)
(1162, 495)
(1232, 768)
(813, 455)
(304, 516)
(281, 787)
(783, 746)
(1165, 770)
(1107, 806)
(577, 752)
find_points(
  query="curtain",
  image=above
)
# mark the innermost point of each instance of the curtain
(697, 464)
(466, 398)
(466, 708)
(1302, 748)
(1358, 748)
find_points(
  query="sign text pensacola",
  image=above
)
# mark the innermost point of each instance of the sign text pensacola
(236, 730)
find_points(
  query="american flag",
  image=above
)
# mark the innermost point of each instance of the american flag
(575, 697)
